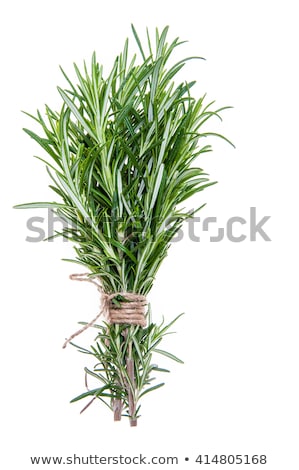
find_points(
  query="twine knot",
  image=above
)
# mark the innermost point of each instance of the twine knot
(117, 308)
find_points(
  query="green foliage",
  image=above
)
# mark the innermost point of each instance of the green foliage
(121, 159)
(113, 345)
(121, 152)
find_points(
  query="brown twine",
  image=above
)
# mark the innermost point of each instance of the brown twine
(130, 311)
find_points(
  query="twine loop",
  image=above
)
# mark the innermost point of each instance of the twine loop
(117, 308)
(125, 308)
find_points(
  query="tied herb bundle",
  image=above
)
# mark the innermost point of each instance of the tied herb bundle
(121, 162)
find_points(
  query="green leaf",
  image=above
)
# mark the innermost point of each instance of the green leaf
(138, 350)
(95, 392)
(151, 389)
(169, 355)
(160, 369)
(138, 41)
(38, 205)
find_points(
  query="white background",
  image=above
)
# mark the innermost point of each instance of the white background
(238, 390)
